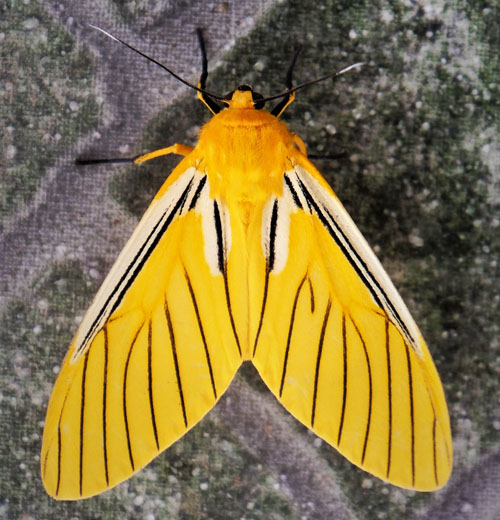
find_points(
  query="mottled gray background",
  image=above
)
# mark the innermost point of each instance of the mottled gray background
(419, 128)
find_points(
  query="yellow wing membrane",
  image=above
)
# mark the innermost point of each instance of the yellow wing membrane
(245, 254)
(154, 353)
(339, 349)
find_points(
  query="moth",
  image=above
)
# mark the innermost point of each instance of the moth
(245, 254)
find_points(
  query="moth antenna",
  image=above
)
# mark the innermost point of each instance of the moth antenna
(152, 60)
(312, 82)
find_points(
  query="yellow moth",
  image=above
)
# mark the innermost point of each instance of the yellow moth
(245, 254)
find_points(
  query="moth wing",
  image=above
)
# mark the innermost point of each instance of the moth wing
(153, 354)
(337, 345)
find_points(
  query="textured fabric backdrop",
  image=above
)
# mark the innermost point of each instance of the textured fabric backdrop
(419, 128)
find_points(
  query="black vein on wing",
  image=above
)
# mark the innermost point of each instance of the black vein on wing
(434, 442)
(150, 383)
(371, 283)
(434, 451)
(293, 193)
(59, 451)
(230, 311)
(271, 256)
(389, 396)
(222, 264)
(221, 257)
(176, 362)
(59, 444)
(302, 187)
(104, 406)
(197, 193)
(311, 292)
(262, 309)
(289, 338)
(318, 360)
(272, 236)
(129, 275)
(412, 412)
(125, 414)
(82, 416)
(370, 391)
(186, 197)
(344, 382)
(202, 332)
(45, 458)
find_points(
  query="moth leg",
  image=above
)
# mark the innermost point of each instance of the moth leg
(178, 149)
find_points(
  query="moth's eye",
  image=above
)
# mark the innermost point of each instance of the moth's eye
(245, 88)
(256, 100)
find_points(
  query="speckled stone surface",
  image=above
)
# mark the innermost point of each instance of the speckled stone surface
(418, 128)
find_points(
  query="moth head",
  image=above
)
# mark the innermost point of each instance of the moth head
(244, 97)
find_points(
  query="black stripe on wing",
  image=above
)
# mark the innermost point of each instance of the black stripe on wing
(82, 417)
(389, 397)
(202, 332)
(318, 360)
(344, 381)
(370, 390)
(378, 293)
(176, 362)
(270, 253)
(290, 330)
(104, 406)
(222, 253)
(125, 406)
(59, 447)
(150, 382)
(412, 413)
(190, 193)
